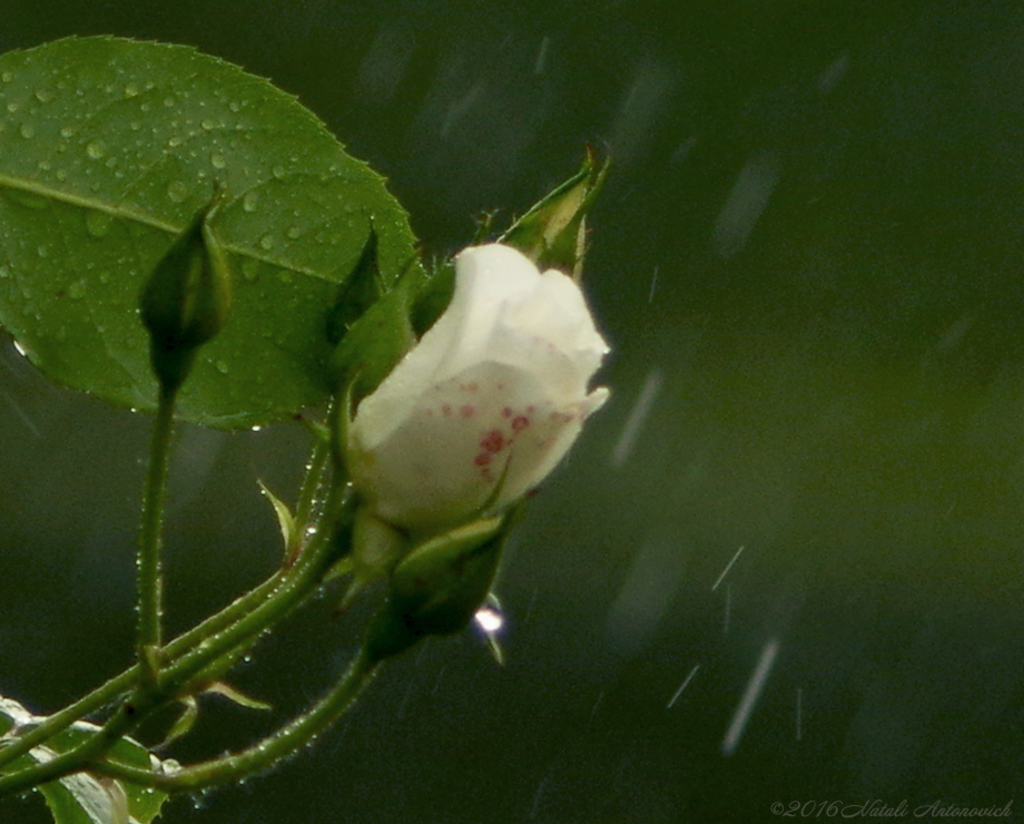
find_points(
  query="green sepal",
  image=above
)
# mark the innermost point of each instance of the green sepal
(373, 345)
(433, 297)
(285, 519)
(358, 292)
(187, 299)
(438, 586)
(552, 232)
(184, 723)
(236, 696)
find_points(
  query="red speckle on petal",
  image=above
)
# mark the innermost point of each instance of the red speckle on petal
(446, 409)
(519, 423)
(501, 386)
(506, 412)
(467, 411)
(493, 441)
(483, 459)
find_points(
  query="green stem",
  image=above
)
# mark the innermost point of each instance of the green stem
(285, 741)
(307, 495)
(149, 634)
(120, 684)
(73, 760)
(290, 591)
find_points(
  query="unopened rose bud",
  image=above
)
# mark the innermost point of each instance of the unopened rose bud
(486, 404)
(553, 230)
(187, 299)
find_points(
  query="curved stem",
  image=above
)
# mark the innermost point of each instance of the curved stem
(149, 634)
(311, 483)
(120, 684)
(285, 741)
(290, 591)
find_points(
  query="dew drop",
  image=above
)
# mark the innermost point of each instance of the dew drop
(209, 123)
(43, 250)
(105, 277)
(95, 150)
(279, 172)
(7, 77)
(131, 90)
(62, 175)
(21, 350)
(222, 367)
(284, 276)
(67, 131)
(43, 165)
(250, 200)
(4, 272)
(267, 242)
(217, 160)
(77, 290)
(168, 102)
(233, 105)
(44, 95)
(177, 191)
(250, 269)
(294, 232)
(98, 223)
(27, 130)
(135, 125)
(175, 141)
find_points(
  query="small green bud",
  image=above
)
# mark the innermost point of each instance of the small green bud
(553, 231)
(187, 299)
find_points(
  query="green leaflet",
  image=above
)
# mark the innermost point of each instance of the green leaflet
(107, 148)
(83, 798)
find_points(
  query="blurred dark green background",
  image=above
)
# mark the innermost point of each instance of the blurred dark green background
(808, 261)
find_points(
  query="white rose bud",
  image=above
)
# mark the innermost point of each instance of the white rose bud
(481, 410)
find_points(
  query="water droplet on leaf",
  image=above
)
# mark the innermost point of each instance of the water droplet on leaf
(177, 191)
(95, 150)
(27, 130)
(250, 200)
(98, 223)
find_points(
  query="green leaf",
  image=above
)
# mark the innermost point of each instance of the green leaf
(84, 798)
(108, 147)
